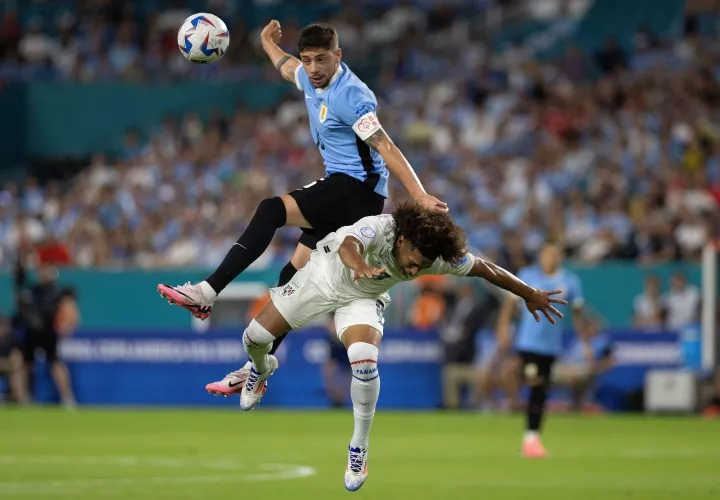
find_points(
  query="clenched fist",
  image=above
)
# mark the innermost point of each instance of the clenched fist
(272, 32)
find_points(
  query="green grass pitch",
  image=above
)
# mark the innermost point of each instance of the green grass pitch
(269, 454)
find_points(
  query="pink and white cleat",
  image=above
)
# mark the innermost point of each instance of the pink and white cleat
(357, 470)
(256, 385)
(188, 296)
(533, 448)
(232, 383)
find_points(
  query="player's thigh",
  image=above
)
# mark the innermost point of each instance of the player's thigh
(306, 205)
(545, 366)
(300, 256)
(536, 368)
(360, 321)
(336, 201)
(271, 319)
(361, 333)
(294, 216)
(300, 301)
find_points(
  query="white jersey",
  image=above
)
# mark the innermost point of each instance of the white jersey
(377, 234)
(325, 285)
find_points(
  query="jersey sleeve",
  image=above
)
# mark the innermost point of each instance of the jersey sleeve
(300, 77)
(575, 292)
(460, 268)
(356, 107)
(369, 231)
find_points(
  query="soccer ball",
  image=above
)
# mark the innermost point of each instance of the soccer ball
(203, 38)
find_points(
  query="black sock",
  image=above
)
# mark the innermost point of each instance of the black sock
(269, 216)
(285, 276)
(536, 407)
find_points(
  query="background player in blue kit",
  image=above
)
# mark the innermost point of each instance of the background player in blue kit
(538, 344)
(357, 154)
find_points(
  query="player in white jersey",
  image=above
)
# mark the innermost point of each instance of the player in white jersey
(349, 274)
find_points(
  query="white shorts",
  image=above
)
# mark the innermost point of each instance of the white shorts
(300, 302)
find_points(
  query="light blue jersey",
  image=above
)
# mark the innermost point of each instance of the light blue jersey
(342, 116)
(543, 337)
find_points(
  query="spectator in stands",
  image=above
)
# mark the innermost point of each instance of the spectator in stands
(611, 57)
(648, 306)
(52, 251)
(429, 308)
(681, 304)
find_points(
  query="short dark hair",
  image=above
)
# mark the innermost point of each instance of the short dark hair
(432, 232)
(552, 242)
(318, 36)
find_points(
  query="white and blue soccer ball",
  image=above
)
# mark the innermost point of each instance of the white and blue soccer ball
(203, 38)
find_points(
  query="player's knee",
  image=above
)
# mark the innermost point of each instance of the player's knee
(271, 211)
(363, 361)
(255, 339)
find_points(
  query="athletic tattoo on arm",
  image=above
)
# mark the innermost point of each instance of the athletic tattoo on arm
(287, 71)
(281, 62)
(376, 139)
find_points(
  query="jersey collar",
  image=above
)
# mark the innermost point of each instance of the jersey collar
(332, 80)
(557, 274)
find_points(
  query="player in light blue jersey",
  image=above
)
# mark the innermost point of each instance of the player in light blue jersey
(357, 153)
(538, 344)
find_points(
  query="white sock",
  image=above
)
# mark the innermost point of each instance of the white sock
(364, 390)
(531, 435)
(258, 342)
(207, 291)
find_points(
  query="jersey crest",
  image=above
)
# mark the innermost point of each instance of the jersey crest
(323, 112)
(289, 290)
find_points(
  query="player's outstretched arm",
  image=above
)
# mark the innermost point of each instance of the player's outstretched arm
(350, 252)
(283, 62)
(401, 168)
(535, 299)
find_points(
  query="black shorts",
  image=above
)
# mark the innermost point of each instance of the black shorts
(333, 202)
(536, 367)
(45, 341)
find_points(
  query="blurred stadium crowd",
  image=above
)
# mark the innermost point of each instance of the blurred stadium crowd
(615, 152)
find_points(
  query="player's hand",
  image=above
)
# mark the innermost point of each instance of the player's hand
(367, 272)
(272, 32)
(542, 301)
(431, 202)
